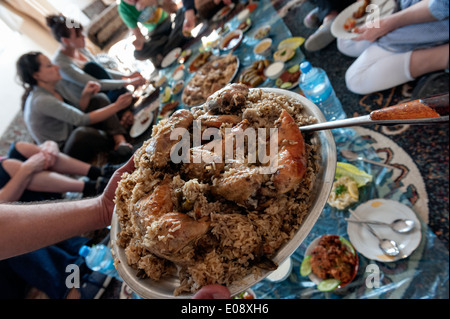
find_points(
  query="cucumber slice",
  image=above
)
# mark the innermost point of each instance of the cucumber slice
(328, 284)
(286, 85)
(294, 68)
(347, 244)
(278, 82)
(305, 267)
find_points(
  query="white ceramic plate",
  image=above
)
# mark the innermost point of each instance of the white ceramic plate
(222, 13)
(164, 288)
(384, 210)
(337, 28)
(171, 57)
(143, 120)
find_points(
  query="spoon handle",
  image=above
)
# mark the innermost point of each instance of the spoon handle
(366, 222)
(367, 225)
(376, 163)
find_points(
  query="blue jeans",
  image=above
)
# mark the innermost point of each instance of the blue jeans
(44, 269)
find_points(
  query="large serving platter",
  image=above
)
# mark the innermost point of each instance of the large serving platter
(147, 288)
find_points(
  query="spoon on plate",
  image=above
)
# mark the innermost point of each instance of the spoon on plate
(352, 156)
(388, 246)
(399, 225)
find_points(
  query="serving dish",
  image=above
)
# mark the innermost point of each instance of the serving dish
(164, 288)
(350, 250)
(200, 78)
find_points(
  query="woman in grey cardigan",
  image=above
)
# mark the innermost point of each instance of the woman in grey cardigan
(81, 127)
(78, 66)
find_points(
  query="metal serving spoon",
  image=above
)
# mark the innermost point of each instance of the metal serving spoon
(388, 246)
(352, 156)
(399, 225)
(432, 110)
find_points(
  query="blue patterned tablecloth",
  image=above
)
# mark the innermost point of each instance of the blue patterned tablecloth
(422, 275)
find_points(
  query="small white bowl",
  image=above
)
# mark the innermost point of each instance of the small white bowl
(274, 70)
(264, 47)
(244, 14)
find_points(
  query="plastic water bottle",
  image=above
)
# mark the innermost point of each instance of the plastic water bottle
(99, 258)
(316, 86)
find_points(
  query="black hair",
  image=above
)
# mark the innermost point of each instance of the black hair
(61, 26)
(27, 65)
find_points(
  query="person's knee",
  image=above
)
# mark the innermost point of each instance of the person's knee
(99, 100)
(355, 82)
(11, 166)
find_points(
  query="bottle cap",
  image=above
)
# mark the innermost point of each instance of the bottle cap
(84, 251)
(305, 67)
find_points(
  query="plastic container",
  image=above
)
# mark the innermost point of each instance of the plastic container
(316, 86)
(99, 258)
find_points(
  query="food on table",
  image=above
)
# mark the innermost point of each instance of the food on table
(231, 40)
(187, 219)
(245, 295)
(349, 24)
(333, 260)
(166, 94)
(263, 47)
(178, 73)
(184, 56)
(291, 43)
(245, 25)
(361, 11)
(345, 188)
(284, 54)
(343, 193)
(199, 61)
(345, 169)
(254, 74)
(262, 32)
(274, 70)
(178, 86)
(211, 77)
(289, 77)
(168, 107)
(161, 81)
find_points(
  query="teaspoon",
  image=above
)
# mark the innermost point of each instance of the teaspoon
(352, 156)
(398, 225)
(388, 246)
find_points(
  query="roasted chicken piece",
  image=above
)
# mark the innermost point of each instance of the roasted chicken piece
(166, 232)
(229, 100)
(160, 144)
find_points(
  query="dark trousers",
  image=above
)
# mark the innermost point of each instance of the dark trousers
(326, 6)
(99, 72)
(163, 39)
(85, 142)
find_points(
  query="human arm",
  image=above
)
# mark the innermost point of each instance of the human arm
(24, 228)
(415, 14)
(22, 177)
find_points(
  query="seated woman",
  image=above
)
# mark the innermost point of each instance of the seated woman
(53, 112)
(78, 66)
(398, 48)
(32, 173)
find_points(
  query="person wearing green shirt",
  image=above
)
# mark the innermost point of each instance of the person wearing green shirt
(163, 35)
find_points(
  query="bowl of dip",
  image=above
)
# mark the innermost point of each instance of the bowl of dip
(263, 47)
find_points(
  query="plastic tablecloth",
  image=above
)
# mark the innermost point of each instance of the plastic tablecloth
(422, 275)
